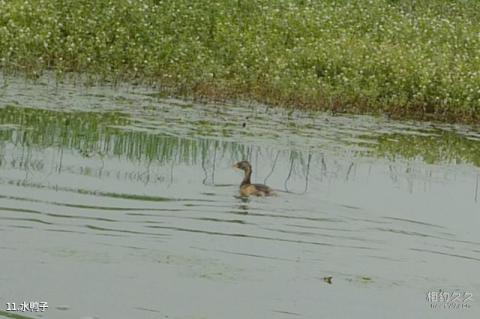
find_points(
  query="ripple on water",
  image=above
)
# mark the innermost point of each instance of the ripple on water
(111, 188)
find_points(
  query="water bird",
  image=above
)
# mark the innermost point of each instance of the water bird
(246, 187)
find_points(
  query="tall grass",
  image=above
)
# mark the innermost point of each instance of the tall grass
(415, 57)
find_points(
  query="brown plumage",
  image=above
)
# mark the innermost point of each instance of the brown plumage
(246, 187)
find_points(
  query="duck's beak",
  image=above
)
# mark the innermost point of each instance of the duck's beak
(234, 166)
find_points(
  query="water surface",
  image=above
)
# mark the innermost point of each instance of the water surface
(117, 203)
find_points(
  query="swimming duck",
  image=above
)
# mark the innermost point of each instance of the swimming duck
(246, 187)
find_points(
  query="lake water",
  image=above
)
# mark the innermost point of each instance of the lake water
(118, 203)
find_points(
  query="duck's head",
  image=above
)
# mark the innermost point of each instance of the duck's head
(243, 165)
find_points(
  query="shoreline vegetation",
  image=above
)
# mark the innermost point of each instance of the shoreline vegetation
(101, 134)
(404, 58)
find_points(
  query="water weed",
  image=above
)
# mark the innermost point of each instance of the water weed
(403, 57)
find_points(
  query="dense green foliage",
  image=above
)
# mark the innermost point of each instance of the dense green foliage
(400, 56)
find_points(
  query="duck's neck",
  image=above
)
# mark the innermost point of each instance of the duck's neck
(246, 178)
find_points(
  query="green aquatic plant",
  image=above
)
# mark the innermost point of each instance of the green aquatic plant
(105, 134)
(12, 315)
(415, 58)
(438, 147)
(115, 134)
